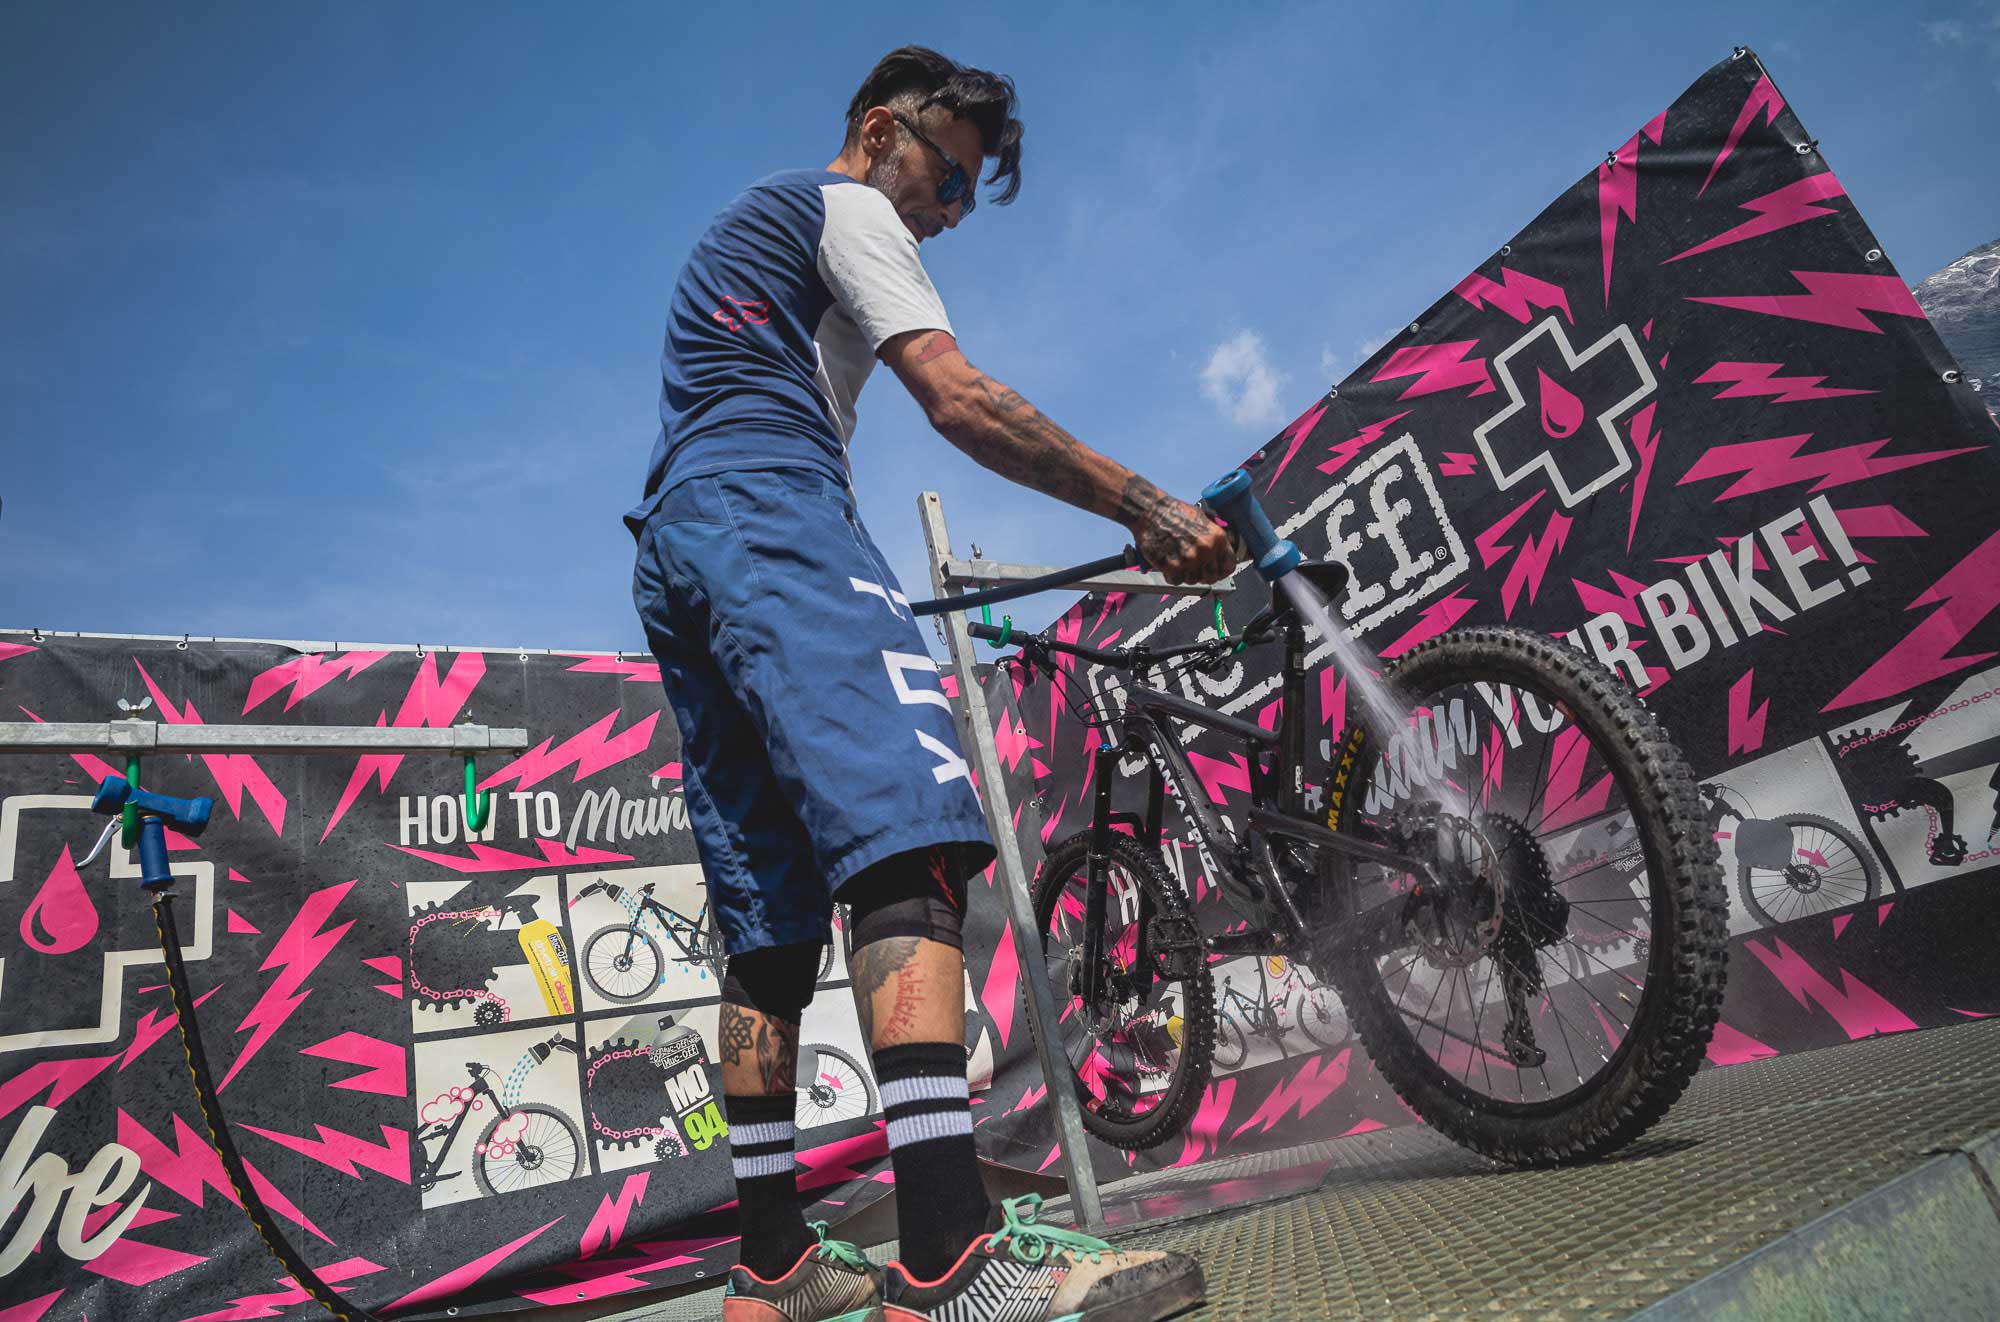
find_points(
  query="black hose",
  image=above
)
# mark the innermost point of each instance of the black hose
(218, 1131)
(1027, 587)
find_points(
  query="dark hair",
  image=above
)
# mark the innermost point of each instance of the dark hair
(923, 78)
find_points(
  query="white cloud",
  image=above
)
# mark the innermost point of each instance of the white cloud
(1946, 32)
(1329, 362)
(1240, 380)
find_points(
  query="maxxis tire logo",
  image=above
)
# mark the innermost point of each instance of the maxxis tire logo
(1553, 437)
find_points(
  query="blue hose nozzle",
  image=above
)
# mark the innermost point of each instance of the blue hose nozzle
(1230, 499)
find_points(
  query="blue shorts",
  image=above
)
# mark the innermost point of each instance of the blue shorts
(816, 738)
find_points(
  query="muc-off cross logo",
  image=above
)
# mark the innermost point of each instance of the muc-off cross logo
(1564, 410)
(66, 946)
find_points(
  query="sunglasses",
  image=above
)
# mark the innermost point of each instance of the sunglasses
(956, 186)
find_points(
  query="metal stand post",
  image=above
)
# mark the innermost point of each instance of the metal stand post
(949, 576)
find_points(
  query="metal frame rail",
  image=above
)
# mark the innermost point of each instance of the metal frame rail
(951, 576)
(142, 737)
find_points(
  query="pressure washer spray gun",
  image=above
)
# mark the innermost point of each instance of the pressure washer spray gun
(1230, 499)
(155, 812)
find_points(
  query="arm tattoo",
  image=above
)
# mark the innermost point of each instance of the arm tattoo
(1004, 399)
(935, 346)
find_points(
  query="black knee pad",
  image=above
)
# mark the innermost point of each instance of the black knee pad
(776, 981)
(916, 894)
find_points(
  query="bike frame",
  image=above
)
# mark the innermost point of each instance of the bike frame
(1244, 870)
(434, 1165)
(673, 923)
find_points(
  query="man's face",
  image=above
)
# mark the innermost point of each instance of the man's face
(908, 173)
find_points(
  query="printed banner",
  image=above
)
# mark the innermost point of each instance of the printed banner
(1692, 420)
(461, 1066)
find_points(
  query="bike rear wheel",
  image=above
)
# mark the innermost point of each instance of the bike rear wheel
(1137, 1081)
(837, 1089)
(1523, 755)
(1829, 869)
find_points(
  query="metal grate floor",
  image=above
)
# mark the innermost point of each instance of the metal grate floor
(1425, 1230)
(1401, 1224)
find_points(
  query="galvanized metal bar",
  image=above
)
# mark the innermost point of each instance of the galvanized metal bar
(975, 725)
(956, 573)
(148, 737)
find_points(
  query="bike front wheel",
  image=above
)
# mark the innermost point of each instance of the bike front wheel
(529, 1147)
(622, 963)
(1829, 868)
(1138, 1082)
(1480, 1004)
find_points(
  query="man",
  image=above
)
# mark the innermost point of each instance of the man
(819, 751)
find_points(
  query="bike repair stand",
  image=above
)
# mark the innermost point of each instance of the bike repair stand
(952, 577)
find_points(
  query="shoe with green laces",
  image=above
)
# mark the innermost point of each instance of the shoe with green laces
(1028, 1272)
(831, 1282)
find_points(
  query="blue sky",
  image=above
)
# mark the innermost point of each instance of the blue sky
(341, 321)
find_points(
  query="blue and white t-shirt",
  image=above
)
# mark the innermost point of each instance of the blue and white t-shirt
(774, 326)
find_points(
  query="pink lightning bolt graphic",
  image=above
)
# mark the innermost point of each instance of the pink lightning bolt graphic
(1343, 452)
(1763, 100)
(1747, 380)
(1964, 598)
(1296, 434)
(1832, 298)
(1776, 210)
(1618, 192)
(1777, 462)
(1519, 296)
(428, 703)
(1437, 367)
(234, 773)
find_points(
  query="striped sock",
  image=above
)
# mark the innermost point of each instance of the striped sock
(940, 1202)
(760, 1150)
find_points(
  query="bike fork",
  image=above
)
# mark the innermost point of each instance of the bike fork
(1098, 881)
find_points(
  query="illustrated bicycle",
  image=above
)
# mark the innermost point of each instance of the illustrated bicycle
(1427, 877)
(525, 1145)
(833, 1086)
(1796, 865)
(1316, 1013)
(623, 961)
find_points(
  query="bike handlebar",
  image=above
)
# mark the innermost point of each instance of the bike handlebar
(1124, 658)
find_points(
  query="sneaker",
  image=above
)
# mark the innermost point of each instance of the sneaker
(831, 1282)
(1029, 1272)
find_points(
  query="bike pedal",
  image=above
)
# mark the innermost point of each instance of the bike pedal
(1176, 943)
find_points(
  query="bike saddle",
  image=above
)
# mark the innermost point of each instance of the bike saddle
(1329, 576)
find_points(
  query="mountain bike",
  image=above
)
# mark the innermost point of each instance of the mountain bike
(1427, 877)
(1796, 865)
(526, 1145)
(1317, 1013)
(623, 961)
